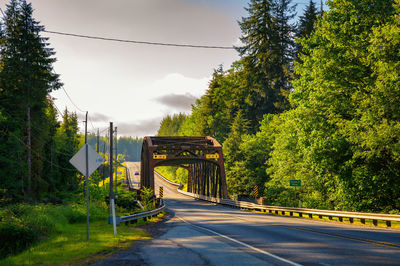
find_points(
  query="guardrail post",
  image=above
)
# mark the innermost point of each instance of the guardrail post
(320, 216)
(291, 213)
(362, 221)
(375, 222)
(310, 215)
(388, 224)
(340, 219)
(330, 218)
(300, 214)
(351, 220)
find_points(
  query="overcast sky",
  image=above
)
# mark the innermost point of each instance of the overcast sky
(135, 85)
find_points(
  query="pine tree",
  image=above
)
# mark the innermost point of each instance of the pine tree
(306, 26)
(267, 57)
(26, 78)
(307, 21)
(347, 104)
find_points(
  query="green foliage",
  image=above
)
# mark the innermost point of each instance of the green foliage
(21, 225)
(170, 125)
(173, 173)
(267, 56)
(147, 198)
(26, 79)
(130, 148)
(127, 200)
(306, 26)
(341, 137)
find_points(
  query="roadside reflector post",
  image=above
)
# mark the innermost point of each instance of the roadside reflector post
(161, 192)
(256, 191)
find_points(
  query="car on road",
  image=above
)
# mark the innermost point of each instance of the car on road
(136, 172)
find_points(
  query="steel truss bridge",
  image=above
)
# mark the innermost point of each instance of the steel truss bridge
(201, 156)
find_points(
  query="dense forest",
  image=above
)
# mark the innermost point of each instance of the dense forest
(316, 101)
(36, 139)
(35, 147)
(127, 148)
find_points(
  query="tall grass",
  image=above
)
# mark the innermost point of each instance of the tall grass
(21, 224)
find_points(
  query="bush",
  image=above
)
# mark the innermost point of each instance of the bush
(21, 225)
(148, 199)
(15, 235)
(126, 200)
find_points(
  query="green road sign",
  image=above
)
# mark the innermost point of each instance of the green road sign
(295, 183)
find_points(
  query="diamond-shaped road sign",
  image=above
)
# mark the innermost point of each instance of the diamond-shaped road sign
(79, 160)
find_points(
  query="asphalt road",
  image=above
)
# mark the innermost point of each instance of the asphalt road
(202, 233)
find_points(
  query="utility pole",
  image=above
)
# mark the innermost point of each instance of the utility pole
(116, 160)
(98, 141)
(111, 180)
(87, 180)
(111, 162)
(103, 168)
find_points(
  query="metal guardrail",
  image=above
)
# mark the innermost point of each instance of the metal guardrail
(362, 216)
(136, 216)
(166, 180)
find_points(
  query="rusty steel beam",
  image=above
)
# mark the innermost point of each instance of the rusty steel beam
(201, 156)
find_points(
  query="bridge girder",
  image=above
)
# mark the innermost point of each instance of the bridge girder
(201, 156)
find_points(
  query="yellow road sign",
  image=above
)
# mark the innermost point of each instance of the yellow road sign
(159, 156)
(212, 156)
(256, 191)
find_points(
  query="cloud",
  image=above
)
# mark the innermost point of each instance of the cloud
(94, 117)
(97, 117)
(142, 128)
(179, 84)
(177, 101)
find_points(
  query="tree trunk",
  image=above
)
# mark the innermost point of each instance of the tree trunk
(29, 152)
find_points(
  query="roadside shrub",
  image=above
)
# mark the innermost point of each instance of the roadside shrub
(15, 235)
(148, 199)
(21, 225)
(126, 200)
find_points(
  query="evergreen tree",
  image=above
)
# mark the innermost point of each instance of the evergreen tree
(306, 25)
(26, 78)
(267, 57)
(238, 181)
(346, 138)
(170, 125)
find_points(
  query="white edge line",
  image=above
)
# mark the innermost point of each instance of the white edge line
(242, 243)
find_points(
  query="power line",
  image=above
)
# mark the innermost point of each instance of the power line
(57, 109)
(90, 120)
(141, 42)
(72, 100)
(44, 159)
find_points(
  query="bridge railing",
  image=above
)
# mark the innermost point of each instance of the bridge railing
(134, 217)
(166, 180)
(362, 216)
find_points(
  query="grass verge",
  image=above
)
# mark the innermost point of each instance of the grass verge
(71, 247)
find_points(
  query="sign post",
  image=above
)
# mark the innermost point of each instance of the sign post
(295, 183)
(86, 160)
